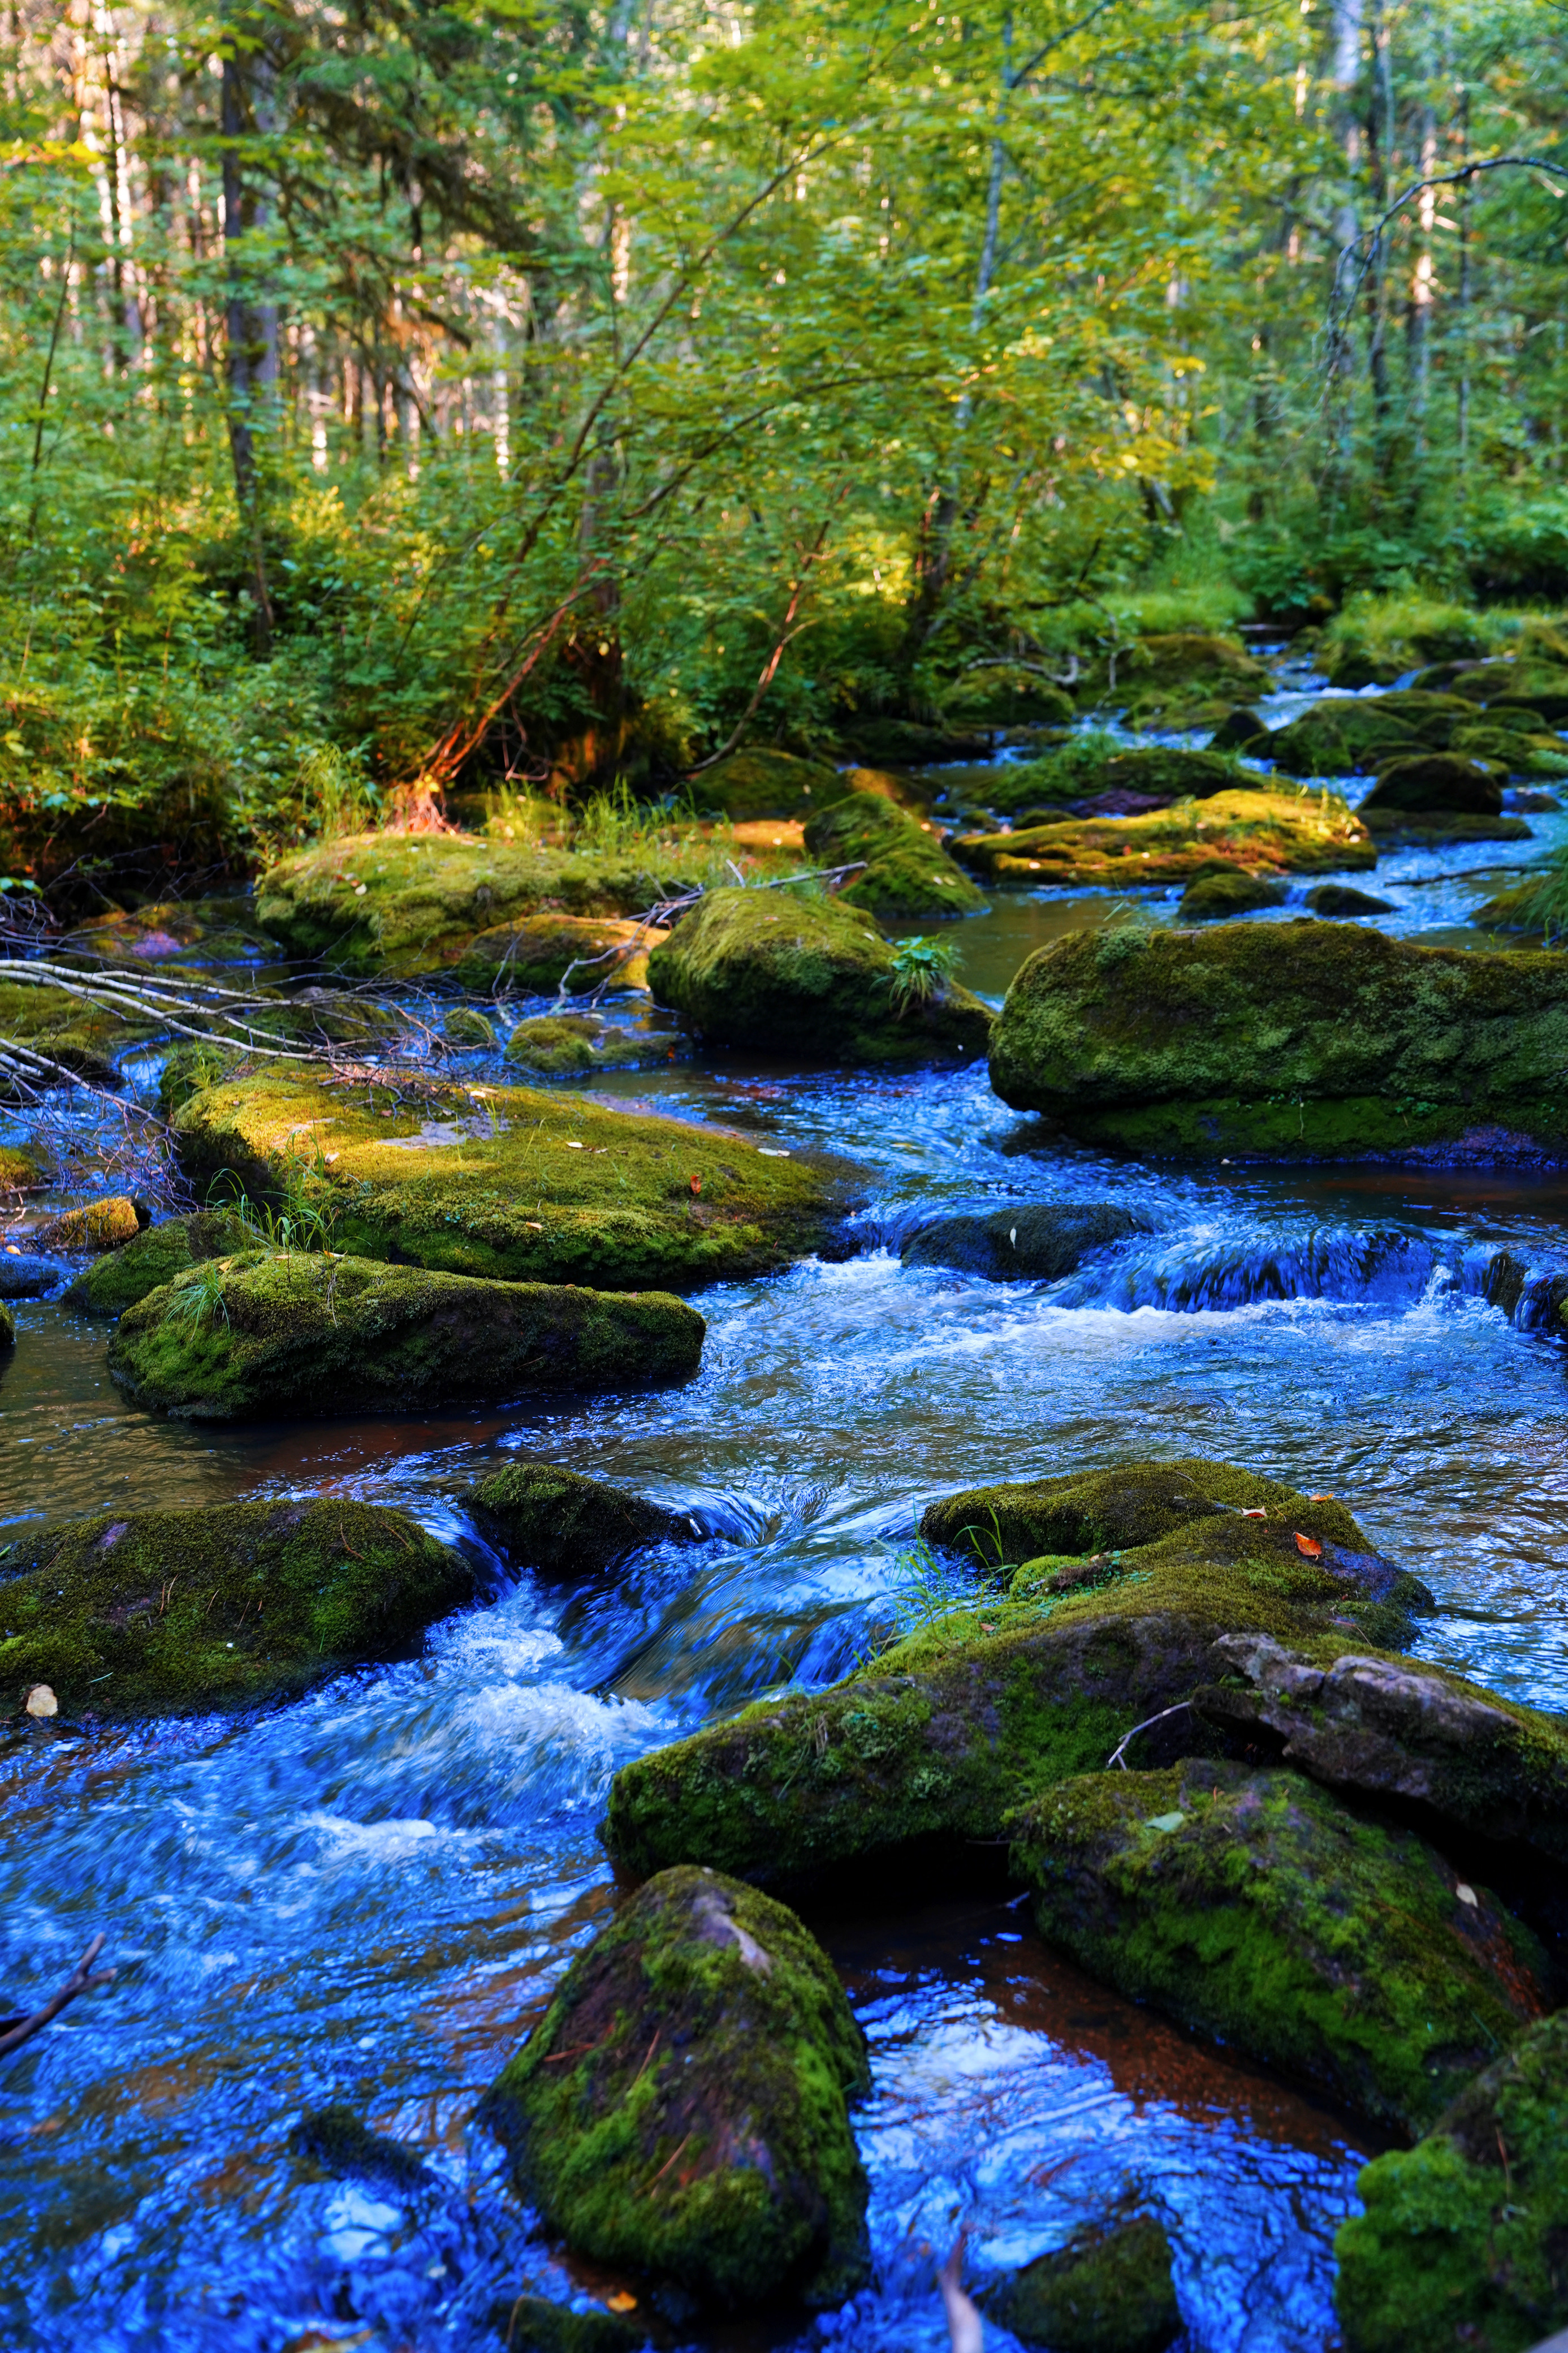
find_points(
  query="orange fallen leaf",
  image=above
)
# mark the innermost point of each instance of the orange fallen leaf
(697, 1184)
(620, 2302)
(1258, 1515)
(1307, 1547)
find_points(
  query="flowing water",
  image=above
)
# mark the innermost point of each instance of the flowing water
(367, 1896)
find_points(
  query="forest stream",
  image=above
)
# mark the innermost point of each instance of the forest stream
(366, 1897)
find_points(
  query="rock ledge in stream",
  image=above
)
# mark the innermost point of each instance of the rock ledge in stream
(1463, 2245)
(1030, 1240)
(270, 1333)
(117, 1280)
(1255, 1907)
(167, 1612)
(680, 2111)
(1304, 1040)
(520, 1183)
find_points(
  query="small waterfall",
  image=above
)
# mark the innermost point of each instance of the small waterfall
(1196, 1274)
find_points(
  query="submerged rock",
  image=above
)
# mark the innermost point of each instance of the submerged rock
(151, 1258)
(542, 1516)
(549, 951)
(1256, 1907)
(1258, 832)
(1298, 1042)
(908, 877)
(1037, 1680)
(339, 2141)
(572, 1045)
(1339, 901)
(1463, 2241)
(532, 2323)
(518, 1183)
(1210, 898)
(1108, 2291)
(166, 1611)
(23, 1274)
(107, 1225)
(1439, 829)
(1031, 1240)
(681, 2110)
(807, 975)
(272, 1331)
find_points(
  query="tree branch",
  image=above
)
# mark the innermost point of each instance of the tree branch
(14, 2031)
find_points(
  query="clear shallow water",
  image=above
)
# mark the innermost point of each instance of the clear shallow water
(368, 1896)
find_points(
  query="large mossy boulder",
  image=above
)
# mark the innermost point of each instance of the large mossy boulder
(759, 783)
(273, 1333)
(1029, 1241)
(1255, 1907)
(518, 1183)
(1341, 739)
(1462, 2243)
(1435, 780)
(1109, 2290)
(908, 877)
(539, 1516)
(1304, 1040)
(539, 953)
(681, 2111)
(163, 1613)
(396, 905)
(1258, 832)
(787, 975)
(153, 1257)
(1056, 1660)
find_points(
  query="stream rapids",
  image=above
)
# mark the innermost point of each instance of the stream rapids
(367, 1896)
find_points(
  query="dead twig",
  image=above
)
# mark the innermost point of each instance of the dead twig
(1117, 1756)
(14, 2031)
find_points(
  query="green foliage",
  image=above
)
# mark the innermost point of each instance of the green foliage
(921, 969)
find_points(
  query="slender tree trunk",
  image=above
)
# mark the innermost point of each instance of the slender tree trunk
(1419, 333)
(244, 346)
(1462, 299)
(1338, 417)
(1380, 154)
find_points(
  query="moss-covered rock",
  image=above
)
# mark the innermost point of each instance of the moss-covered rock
(945, 1732)
(201, 933)
(1031, 1240)
(270, 1333)
(574, 1045)
(520, 1183)
(1341, 739)
(1300, 1040)
(1211, 898)
(549, 951)
(106, 1225)
(758, 783)
(1259, 832)
(1435, 780)
(908, 877)
(911, 743)
(470, 1029)
(1108, 2291)
(166, 1611)
(82, 1040)
(21, 1170)
(540, 1515)
(118, 1279)
(397, 904)
(1404, 1733)
(1171, 671)
(1341, 903)
(1462, 2247)
(1005, 694)
(1256, 1907)
(810, 976)
(681, 2110)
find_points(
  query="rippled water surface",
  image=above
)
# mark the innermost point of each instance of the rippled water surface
(367, 1896)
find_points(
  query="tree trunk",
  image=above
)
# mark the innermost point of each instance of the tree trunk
(244, 344)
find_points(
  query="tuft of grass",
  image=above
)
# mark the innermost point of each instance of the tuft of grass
(921, 970)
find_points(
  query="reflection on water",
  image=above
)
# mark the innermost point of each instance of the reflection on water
(367, 1896)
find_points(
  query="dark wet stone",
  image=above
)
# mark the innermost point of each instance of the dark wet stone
(339, 2141)
(1031, 1240)
(1437, 780)
(540, 1515)
(28, 1275)
(1108, 2291)
(1339, 902)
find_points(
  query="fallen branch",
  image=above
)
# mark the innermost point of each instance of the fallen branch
(14, 2031)
(1117, 1757)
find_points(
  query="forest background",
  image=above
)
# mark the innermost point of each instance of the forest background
(401, 397)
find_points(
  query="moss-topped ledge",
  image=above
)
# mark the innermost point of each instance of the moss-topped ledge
(1296, 1040)
(517, 1183)
(1254, 1907)
(270, 1333)
(1258, 832)
(167, 1612)
(541, 1516)
(681, 2110)
(155, 1256)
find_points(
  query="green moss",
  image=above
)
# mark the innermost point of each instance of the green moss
(166, 1611)
(681, 2112)
(270, 1333)
(1463, 2245)
(398, 904)
(1341, 739)
(1129, 1505)
(1211, 898)
(78, 1036)
(21, 1171)
(541, 953)
(107, 1224)
(117, 1280)
(1168, 671)
(542, 1516)
(1259, 832)
(809, 975)
(466, 1027)
(908, 877)
(1108, 2291)
(572, 1045)
(532, 2323)
(1255, 1907)
(758, 783)
(7, 1327)
(1005, 694)
(513, 1182)
(1298, 1040)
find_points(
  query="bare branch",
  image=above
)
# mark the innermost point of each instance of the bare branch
(14, 2031)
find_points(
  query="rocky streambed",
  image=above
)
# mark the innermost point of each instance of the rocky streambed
(1055, 1608)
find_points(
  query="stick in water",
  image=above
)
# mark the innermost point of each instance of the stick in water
(14, 2031)
(963, 2320)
